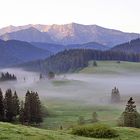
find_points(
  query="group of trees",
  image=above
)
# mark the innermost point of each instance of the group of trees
(30, 111)
(9, 106)
(50, 75)
(7, 76)
(27, 112)
(115, 95)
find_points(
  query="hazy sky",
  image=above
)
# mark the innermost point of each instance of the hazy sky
(117, 14)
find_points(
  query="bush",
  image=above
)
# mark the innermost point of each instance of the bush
(95, 131)
(81, 120)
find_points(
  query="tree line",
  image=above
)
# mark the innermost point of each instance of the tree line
(24, 112)
(7, 76)
(75, 59)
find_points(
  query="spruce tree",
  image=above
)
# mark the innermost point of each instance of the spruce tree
(1, 106)
(15, 104)
(21, 113)
(27, 113)
(130, 117)
(115, 95)
(8, 105)
(38, 113)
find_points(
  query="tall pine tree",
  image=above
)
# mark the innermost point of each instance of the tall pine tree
(15, 104)
(1, 106)
(39, 118)
(21, 113)
(8, 105)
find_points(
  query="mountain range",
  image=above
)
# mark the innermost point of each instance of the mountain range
(66, 34)
(15, 52)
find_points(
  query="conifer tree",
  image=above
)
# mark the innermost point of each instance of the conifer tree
(15, 104)
(8, 105)
(1, 106)
(27, 113)
(115, 95)
(21, 113)
(130, 117)
(38, 109)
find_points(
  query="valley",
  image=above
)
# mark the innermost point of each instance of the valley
(79, 94)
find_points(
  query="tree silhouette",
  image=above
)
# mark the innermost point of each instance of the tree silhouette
(130, 117)
(115, 95)
(1, 106)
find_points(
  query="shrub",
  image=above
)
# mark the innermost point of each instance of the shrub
(95, 131)
(81, 120)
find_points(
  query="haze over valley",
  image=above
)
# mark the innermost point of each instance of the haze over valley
(69, 70)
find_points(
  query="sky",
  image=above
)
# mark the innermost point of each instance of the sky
(116, 14)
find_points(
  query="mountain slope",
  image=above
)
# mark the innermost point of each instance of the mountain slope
(54, 48)
(69, 34)
(30, 35)
(76, 59)
(15, 52)
(130, 47)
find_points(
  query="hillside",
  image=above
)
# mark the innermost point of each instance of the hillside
(72, 33)
(130, 47)
(14, 52)
(76, 59)
(54, 48)
(31, 34)
(18, 132)
(112, 67)
(13, 132)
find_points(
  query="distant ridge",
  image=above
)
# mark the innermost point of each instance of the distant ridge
(72, 33)
(132, 46)
(14, 52)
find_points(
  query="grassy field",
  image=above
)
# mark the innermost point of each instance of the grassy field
(112, 67)
(66, 113)
(18, 132)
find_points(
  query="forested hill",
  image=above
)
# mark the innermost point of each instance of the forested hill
(14, 52)
(74, 59)
(130, 47)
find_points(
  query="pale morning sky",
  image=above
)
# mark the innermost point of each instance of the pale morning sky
(118, 14)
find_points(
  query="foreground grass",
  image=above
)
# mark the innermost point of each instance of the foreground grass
(19, 132)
